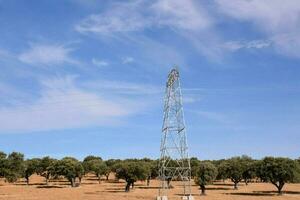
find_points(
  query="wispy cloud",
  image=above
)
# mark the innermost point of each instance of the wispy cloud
(121, 17)
(127, 60)
(41, 54)
(121, 87)
(188, 15)
(140, 15)
(254, 44)
(188, 19)
(63, 105)
(99, 63)
(4, 54)
(195, 21)
(279, 21)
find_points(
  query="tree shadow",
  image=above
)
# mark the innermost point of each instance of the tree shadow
(115, 181)
(30, 184)
(50, 186)
(249, 194)
(218, 188)
(224, 184)
(194, 194)
(90, 183)
(91, 179)
(148, 187)
(93, 193)
(276, 192)
(115, 191)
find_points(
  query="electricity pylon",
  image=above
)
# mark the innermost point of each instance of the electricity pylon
(174, 161)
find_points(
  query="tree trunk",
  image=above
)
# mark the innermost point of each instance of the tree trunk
(246, 181)
(47, 178)
(79, 180)
(235, 185)
(73, 182)
(127, 187)
(279, 187)
(168, 182)
(202, 187)
(148, 181)
(107, 175)
(27, 180)
(132, 184)
(99, 179)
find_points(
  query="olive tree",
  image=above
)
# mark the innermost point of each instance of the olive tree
(194, 166)
(205, 175)
(68, 167)
(131, 172)
(43, 168)
(86, 163)
(98, 167)
(279, 171)
(222, 170)
(2, 164)
(233, 168)
(30, 167)
(153, 170)
(111, 166)
(249, 168)
(14, 167)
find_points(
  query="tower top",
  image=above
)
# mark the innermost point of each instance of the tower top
(173, 75)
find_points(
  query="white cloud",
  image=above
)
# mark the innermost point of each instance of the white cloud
(121, 87)
(4, 54)
(127, 60)
(215, 116)
(254, 44)
(99, 63)
(121, 17)
(39, 54)
(195, 21)
(181, 14)
(279, 20)
(188, 19)
(140, 15)
(190, 99)
(62, 105)
(270, 15)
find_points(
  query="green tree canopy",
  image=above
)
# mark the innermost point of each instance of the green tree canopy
(98, 167)
(31, 166)
(153, 170)
(279, 171)
(249, 168)
(43, 168)
(131, 172)
(233, 169)
(194, 166)
(14, 167)
(2, 163)
(86, 162)
(68, 167)
(206, 174)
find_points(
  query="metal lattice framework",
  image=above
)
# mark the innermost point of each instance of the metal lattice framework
(174, 159)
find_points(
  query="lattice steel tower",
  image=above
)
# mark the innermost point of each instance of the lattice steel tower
(174, 159)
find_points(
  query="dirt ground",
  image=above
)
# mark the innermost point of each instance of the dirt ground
(111, 190)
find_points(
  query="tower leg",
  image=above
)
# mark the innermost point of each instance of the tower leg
(190, 197)
(162, 198)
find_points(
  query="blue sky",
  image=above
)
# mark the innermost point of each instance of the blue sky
(87, 77)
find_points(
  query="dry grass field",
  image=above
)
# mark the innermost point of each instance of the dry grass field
(91, 190)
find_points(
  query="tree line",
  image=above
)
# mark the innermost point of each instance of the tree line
(275, 170)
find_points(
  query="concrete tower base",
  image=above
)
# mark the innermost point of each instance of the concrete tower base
(190, 197)
(161, 198)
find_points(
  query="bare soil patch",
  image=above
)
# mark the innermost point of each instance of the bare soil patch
(90, 189)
